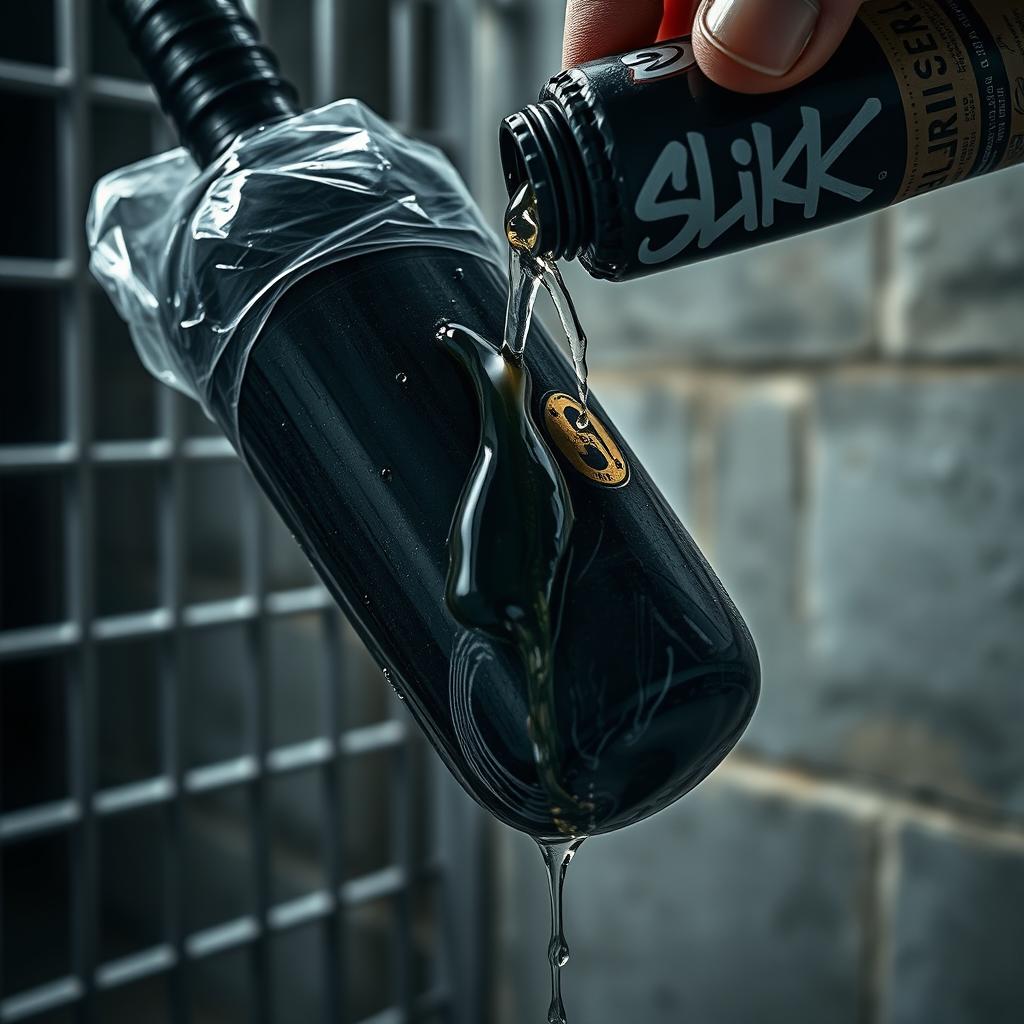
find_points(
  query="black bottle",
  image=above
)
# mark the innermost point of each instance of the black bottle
(639, 163)
(362, 429)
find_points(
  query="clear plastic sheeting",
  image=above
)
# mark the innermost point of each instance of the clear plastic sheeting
(194, 260)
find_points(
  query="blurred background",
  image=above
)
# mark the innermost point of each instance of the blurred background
(212, 809)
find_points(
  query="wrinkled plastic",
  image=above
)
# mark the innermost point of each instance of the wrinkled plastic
(195, 260)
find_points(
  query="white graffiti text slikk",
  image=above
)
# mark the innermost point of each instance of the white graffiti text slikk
(682, 165)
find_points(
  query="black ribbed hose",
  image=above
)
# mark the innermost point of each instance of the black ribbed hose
(214, 77)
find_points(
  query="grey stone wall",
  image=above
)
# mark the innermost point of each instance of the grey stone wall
(839, 420)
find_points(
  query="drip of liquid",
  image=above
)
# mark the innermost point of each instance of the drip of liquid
(527, 271)
(557, 858)
(521, 225)
(509, 534)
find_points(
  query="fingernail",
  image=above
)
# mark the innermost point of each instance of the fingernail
(765, 35)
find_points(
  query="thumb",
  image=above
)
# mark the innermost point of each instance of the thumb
(765, 45)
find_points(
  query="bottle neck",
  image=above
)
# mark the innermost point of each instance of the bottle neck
(214, 77)
(538, 147)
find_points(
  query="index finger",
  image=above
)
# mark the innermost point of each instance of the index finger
(597, 28)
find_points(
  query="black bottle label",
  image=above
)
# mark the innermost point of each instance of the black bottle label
(921, 94)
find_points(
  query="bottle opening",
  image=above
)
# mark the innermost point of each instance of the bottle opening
(537, 149)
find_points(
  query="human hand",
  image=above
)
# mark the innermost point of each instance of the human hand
(751, 46)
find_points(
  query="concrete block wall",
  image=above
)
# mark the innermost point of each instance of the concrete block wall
(839, 420)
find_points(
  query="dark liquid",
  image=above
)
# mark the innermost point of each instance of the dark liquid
(509, 535)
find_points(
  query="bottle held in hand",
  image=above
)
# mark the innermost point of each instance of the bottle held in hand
(639, 163)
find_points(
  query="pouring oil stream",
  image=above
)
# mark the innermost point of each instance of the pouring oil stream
(508, 537)
(510, 533)
(526, 274)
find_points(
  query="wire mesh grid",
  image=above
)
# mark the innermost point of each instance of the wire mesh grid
(135, 834)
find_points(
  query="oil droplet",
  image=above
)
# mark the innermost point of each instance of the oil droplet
(401, 378)
(557, 858)
(386, 474)
(521, 227)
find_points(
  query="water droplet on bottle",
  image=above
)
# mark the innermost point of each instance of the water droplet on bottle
(386, 474)
(387, 674)
(366, 600)
(458, 274)
(583, 422)
(401, 378)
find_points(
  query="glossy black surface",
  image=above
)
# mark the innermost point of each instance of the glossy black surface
(363, 430)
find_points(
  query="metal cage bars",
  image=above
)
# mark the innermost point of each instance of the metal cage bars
(77, 458)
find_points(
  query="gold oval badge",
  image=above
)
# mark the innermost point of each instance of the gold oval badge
(591, 450)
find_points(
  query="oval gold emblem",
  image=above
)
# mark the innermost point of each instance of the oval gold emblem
(591, 450)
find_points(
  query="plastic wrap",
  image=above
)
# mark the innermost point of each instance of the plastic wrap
(194, 260)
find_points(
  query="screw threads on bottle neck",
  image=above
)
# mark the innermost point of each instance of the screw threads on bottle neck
(214, 77)
(538, 147)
